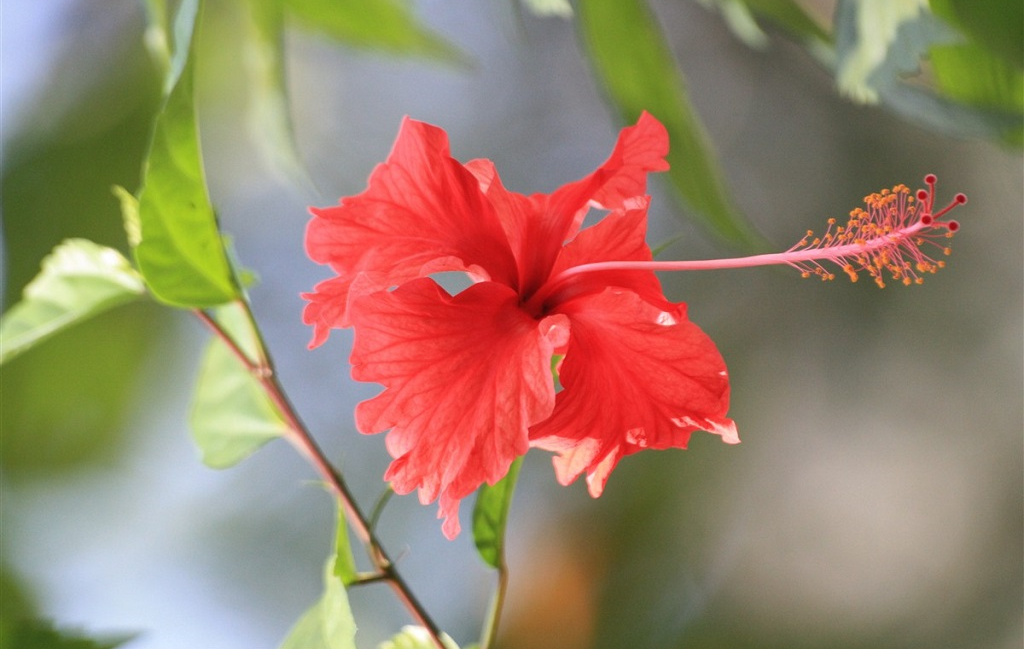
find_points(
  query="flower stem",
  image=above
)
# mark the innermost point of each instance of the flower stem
(299, 436)
(788, 258)
(497, 604)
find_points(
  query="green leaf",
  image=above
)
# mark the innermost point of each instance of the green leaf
(78, 280)
(269, 113)
(376, 24)
(181, 254)
(41, 634)
(182, 33)
(790, 16)
(344, 563)
(232, 416)
(490, 515)
(635, 65)
(416, 637)
(914, 36)
(740, 20)
(329, 624)
(972, 75)
(993, 24)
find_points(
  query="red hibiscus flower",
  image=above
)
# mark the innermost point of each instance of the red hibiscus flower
(467, 378)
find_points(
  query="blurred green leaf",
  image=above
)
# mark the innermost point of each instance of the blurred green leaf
(993, 24)
(740, 20)
(344, 562)
(63, 404)
(269, 114)
(182, 33)
(974, 76)
(231, 415)
(41, 634)
(790, 16)
(740, 15)
(887, 58)
(181, 254)
(415, 637)
(78, 280)
(376, 24)
(635, 65)
(17, 605)
(490, 516)
(329, 624)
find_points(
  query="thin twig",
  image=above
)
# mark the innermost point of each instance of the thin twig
(299, 436)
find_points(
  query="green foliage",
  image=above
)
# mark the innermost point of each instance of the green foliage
(40, 634)
(232, 416)
(880, 44)
(994, 24)
(415, 637)
(387, 25)
(490, 516)
(269, 114)
(987, 70)
(181, 254)
(63, 402)
(635, 65)
(78, 280)
(344, 563)
(740, 20)
(973, 76)
(329, 624)
(790, 16)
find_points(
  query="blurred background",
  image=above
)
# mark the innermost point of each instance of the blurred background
(876, 499)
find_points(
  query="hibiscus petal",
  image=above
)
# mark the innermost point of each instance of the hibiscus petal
(534, 235)
(635, 377)
(464, 376)
(640, 149)
(422, 212)
(537, 226)
(620, 236)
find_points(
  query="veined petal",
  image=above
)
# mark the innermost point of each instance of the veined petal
(534, 235)
(640, 149)
(422, 212)
(464, 377)
(619, 236)
(538, 225)
(635, 377)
